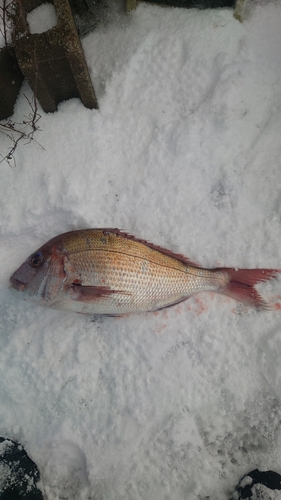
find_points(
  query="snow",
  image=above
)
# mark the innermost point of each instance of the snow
(184, 151)
(42, 18)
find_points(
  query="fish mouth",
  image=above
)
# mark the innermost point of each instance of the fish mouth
(17, 284)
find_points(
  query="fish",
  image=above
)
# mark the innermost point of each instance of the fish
(110, 272)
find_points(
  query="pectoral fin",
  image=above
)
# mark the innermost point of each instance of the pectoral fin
(90, 293)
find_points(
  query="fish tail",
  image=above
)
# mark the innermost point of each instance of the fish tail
(241, 285)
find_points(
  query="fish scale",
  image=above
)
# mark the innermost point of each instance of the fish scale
(142, 272)
(106, 271)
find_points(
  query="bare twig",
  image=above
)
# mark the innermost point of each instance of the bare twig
(18, 131)
(24, 130)
(6, 27)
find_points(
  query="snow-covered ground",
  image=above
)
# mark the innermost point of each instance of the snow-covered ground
(184, 151)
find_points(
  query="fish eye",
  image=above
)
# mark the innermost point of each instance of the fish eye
(36, 260)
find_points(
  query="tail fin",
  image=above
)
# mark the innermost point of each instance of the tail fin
(241, 285)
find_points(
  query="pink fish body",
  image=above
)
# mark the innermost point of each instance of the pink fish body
(106, 271)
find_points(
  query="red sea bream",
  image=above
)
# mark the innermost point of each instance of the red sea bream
(106, 271)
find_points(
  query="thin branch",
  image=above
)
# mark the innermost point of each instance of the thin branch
(24, 130)
(7, 24)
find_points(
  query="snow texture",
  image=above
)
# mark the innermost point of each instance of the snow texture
(42, 18)
(184, 151)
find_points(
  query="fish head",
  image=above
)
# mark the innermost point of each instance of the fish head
(42, 275)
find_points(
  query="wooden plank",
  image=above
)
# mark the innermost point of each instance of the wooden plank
(53, 62)
(239, 10)
(131, 5)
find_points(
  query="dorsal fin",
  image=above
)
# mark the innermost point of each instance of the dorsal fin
(164, 251)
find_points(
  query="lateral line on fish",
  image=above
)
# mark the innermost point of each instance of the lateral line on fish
(123, 234)
(196, 273)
